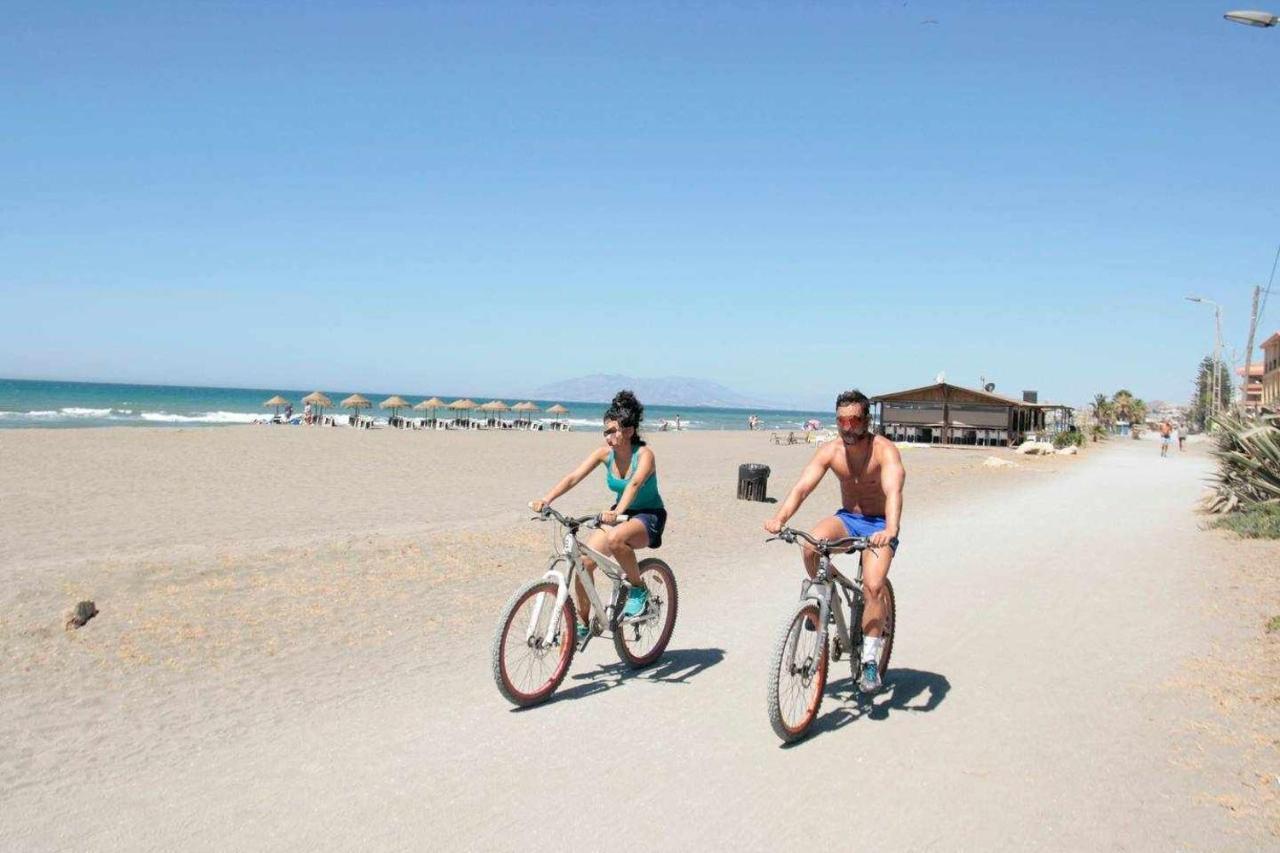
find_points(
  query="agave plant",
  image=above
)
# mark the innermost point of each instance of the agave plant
(1248, 454)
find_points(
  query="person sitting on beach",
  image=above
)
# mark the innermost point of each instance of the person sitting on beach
(871, 475)
(307, 417)
(631, 473)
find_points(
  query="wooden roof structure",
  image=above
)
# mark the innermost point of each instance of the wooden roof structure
(941, 392)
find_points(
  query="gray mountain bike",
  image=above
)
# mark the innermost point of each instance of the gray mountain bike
(536, 638)
(798, 670)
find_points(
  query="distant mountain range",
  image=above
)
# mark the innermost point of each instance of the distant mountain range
(658, 391)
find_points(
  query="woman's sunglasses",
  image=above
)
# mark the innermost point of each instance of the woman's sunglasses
(610, 431)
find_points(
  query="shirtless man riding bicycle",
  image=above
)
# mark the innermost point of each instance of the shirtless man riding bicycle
(871, 475)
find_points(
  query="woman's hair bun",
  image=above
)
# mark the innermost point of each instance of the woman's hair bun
(625, 409)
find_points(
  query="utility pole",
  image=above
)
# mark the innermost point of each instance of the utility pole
(1248, 350)
(1217, 358)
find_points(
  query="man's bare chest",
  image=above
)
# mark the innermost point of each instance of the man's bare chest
(857, 469)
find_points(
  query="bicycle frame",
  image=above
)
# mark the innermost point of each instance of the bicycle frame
(821, 589)
(572, 552)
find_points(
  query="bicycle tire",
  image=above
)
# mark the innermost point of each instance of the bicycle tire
(784, 655)
(670, 606)
(568, 645)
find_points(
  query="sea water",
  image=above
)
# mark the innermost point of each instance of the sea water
(34, 403)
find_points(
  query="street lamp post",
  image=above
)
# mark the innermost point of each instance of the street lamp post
(1253, 19)
(1215, 390)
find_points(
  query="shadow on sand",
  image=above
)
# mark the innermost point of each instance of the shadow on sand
(677, 666)
(904, 690)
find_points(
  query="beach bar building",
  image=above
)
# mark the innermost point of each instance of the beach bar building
(943, 413)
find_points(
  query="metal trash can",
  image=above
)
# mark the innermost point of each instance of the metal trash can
(753, 482)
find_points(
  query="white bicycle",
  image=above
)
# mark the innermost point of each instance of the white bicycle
(537, 636)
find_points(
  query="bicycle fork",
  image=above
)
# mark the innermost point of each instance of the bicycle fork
(535, 634)
(822, 592)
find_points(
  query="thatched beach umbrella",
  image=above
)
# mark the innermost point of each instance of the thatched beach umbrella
(276, 401)
(462, 405)
(495, 406)
(319, 401)
(557, 410)
(432, 404)
(355, 403)
(525, 408)
(395, 403)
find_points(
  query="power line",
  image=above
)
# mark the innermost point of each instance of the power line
(1262, 308)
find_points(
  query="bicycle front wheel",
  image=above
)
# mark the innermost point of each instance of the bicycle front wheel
(641, 640)
(797, 674)
(534, 644)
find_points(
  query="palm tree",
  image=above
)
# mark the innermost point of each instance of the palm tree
(1122, 402)
(1103, 412)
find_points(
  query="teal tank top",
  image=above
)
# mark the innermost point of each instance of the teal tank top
(647, 496)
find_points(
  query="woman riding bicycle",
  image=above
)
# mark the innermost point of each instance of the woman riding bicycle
(631, 473)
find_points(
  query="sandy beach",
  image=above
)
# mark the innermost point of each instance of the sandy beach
(293, 639)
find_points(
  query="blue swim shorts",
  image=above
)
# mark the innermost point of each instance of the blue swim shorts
(864, 525)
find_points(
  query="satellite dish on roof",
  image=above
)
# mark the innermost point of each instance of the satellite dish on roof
(989, 387)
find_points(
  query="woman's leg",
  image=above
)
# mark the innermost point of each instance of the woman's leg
(623, 541)
(599, 540)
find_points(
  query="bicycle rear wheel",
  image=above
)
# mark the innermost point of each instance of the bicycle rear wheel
(534, 645)
(890, 628)
(641, 641)
(797, 674)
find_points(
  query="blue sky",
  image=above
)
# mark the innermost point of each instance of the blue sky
(789, 198)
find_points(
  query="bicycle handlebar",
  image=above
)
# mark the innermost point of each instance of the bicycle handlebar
(825, 546)
(548, 512)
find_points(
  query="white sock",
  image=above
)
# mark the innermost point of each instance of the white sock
(871, 647)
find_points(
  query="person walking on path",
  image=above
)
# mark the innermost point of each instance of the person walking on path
(1166, 433)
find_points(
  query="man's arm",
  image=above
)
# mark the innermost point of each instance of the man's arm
(892, 476)
(809, 479)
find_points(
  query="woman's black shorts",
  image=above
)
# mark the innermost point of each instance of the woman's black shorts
(654, 521)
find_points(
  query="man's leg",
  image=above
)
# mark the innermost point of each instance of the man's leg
(875, 568)
(828, 528)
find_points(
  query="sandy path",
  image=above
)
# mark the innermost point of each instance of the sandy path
(1032, 704)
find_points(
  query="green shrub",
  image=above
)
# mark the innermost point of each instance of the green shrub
(1260, 521)
(1072, 438)
(1248, 455)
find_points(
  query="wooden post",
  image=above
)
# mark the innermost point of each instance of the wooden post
(946, 414)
